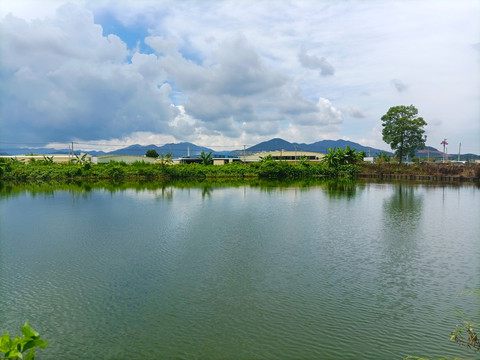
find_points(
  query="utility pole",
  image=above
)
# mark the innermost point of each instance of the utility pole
(428, 150)
(459, 148)
(244, 154)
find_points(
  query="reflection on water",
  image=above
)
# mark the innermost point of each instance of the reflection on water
(404, 206)
(238, 269)
(165, 188)
(399, 258)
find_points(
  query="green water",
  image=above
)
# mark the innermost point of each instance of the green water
(317, 270)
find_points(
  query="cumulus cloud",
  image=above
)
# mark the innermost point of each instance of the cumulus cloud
(76, 73)
(314, 62)
(399, 85)
(63, 79)
(355, 112)
(66, 84)
(234, 92)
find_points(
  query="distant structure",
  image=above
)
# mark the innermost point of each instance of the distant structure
(284, 155)
(444, 143)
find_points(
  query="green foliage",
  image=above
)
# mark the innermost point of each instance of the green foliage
(47, 160)
(19, 346)
(337, 158)
(151, 154)
(5, 166)
(83, 160)
(304, 161)
(466, 334)
(403, 130)
(206, 158)
(166, 159)
(265, 159)
(383, 158)
(82, 168)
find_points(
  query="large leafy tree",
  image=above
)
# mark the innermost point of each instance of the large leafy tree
(403, 130)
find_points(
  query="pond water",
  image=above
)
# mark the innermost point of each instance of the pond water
(317, 270)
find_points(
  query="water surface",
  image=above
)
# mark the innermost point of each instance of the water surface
(322, 270)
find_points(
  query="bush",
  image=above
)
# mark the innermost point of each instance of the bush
(19, 346)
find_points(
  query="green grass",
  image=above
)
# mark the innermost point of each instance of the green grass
(19, 171)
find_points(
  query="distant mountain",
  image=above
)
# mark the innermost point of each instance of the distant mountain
(432, 153)
(185, 148)
(45, 151)
(273, 145)
(319, 146)
(41, 151)
(177, 150)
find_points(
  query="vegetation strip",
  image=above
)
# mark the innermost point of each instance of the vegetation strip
(339, 163)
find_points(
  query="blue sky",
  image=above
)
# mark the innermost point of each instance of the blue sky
(227, 73)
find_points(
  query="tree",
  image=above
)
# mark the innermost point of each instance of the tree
(166, 159)
(339, 157)
(151, 153)
(403, 130)
(206, 158)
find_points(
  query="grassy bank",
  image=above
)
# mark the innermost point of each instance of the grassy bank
(423, 171)
(12, 170)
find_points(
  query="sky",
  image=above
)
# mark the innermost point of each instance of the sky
(225, 74)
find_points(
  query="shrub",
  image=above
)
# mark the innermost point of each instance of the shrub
(19, 346)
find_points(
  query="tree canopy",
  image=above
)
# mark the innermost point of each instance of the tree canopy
(403, 130)
(152, 154)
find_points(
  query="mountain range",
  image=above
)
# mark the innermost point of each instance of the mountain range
(185, 148)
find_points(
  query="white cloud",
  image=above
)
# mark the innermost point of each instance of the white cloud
(66, 80)
(399, 85)
(234, 71)
(314, 62)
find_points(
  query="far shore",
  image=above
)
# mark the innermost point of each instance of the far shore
(45, 171)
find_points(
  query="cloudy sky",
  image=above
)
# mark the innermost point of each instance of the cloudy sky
(224, 74)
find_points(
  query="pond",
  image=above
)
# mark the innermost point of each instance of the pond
(255, 270)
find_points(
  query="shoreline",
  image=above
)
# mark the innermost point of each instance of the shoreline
(440, 172)
(411, 177)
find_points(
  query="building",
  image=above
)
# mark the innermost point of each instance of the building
(128, 159)
(56, 158)
(283, 155)
(217, 159)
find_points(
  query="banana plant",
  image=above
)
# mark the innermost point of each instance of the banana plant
(47, 160)
(166, 159)
(339, 157)
(206, 158)
(81, 160)
(266, 159)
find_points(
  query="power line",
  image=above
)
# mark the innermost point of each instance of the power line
(105, 144)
